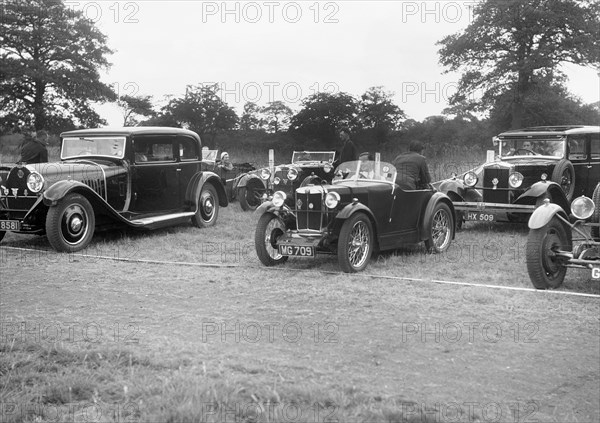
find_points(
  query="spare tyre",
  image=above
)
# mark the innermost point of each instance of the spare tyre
(564, 175)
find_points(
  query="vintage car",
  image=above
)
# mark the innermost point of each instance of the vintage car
(551, 247)
(363, 210)
(231, 176)
(307, 167)
(140, 177)
(533, 164)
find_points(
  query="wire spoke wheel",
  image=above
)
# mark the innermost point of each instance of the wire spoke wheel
(268, 230)
(355, 244)
(442, 229)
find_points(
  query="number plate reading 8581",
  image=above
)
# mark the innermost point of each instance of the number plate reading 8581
(10, 225)
(297, 250)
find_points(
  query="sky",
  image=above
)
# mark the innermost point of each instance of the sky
(264, 51)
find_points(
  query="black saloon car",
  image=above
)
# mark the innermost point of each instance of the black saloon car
(362, 211)
(557, 163)
(141, 177)
(307, 167)
(555, 244)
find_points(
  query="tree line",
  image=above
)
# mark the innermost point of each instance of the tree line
(511, 52)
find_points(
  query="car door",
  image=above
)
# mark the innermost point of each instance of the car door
(405, 216)
(189, 163)
(155, 180)
(577, 153)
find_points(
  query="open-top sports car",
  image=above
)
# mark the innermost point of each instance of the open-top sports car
(140, 177)
(231, 175)
(363, 210)
(557, 163)
(307, 167)
(551, 246)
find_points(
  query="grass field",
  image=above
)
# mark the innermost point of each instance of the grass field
(210, 335)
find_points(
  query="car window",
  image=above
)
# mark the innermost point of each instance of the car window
(576, 147)
(153, 149)
(187, 149)
(595, 146)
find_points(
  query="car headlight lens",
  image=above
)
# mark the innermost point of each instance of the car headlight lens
(327, 168)
(292, 174)
(265, 173)
(279, 198)
(332, 199)
(277, 180)
(582, 207)
(515, 180)
(544, 177)
(35, 182)
(470, 179)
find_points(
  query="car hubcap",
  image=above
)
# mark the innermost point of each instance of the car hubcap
(358, 247)
(74, 224)
(566, 182)
(275, 230)
(440, 229)
(550, 245)
(208, 207)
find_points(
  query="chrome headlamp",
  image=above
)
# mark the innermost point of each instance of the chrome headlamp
(35, 182)
(327, 168)
(332, 199)
(292, 174)
(470, 179)
(582, 207)
(279, 198)
(265, 173)
(277, 180)
(515, 180)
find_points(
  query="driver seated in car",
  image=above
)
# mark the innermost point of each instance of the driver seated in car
(366, 170)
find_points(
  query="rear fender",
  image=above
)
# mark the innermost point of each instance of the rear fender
(435, 199)
(540, 190)
(197, 183)
(454, 188)
(544, 214)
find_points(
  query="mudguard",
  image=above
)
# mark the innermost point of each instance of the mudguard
(453, 188)
(352, 208)
(540, 189)
(61, 189)
(245, 178)
(196, 184)
(268, 207)
(544, 214)
(437, 197)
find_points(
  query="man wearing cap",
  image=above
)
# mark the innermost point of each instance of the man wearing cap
(412, 169)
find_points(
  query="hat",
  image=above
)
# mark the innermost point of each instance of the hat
(224, 154)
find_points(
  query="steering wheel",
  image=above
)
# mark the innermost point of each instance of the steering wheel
(527, 151)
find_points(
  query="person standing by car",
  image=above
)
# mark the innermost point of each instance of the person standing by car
(34, 149)
(348, 152)
(413, 172)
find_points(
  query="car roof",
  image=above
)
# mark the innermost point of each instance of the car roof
(131, 130)
(553, 130)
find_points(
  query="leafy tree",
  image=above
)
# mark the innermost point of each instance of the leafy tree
(201, 110)
(49, 62)
(277, 116)
(322, 114)
(510, 43)
(135, 106)
(250, 119)
(378, 112)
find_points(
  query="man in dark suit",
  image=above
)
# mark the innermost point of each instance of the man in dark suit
(413, 172)
(34, 149)
(348, 152)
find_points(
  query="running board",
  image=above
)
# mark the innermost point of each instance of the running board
(150, 221)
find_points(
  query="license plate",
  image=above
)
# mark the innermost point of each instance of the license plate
(10, 225)
(480, 217)
(297, 250)
(596, 273)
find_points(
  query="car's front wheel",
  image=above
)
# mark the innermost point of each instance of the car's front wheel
(355, 244)
(268, 230)
(441, 229)
(545, 269)
(208, 207)
(251, 195)
(70, 224)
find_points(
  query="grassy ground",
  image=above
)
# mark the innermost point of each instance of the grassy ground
(88, 339)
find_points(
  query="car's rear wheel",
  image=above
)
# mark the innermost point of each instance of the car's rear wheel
(268, 230)
(545, 269)
(595, 216)
(208, 207)
(251, 195)
(564, 175)
(355, 244)
(441, 229)
(70, 224)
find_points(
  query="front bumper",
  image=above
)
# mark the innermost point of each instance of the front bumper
(466, 206)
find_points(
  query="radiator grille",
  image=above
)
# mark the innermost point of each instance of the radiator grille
(501, 193)
(309, 217)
